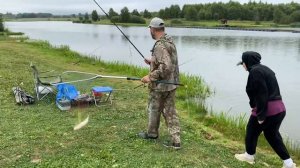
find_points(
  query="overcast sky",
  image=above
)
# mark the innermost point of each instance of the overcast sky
(82, 6)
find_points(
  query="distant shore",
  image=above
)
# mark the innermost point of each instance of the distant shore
(265, 26)
(292, 30)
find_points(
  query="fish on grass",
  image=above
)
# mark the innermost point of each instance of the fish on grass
(81, 124)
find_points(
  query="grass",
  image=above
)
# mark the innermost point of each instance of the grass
(9, 33)
(41, 135)
(235, 127)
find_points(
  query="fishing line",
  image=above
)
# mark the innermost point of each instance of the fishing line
(188, 61)
(120, 30)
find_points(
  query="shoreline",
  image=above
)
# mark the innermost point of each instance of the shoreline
(216, 27)
(297, 30)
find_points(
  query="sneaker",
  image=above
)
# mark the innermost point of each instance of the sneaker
(293, 166)
(245, 158)
(144, 135)
(175, 146)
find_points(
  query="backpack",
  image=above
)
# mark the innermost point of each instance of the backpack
(22, 97)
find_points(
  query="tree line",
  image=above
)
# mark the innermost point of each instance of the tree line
(251, 11)
(125, 16)
(1, 24)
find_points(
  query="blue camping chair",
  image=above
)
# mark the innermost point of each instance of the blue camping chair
(66, 93)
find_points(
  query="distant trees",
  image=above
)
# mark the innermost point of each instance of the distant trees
(80, 17)
(171, 12)
(86, 16)
(83, 18)
(147, 14)
(1, 24)
(95, 16)
(135, 12)
(295, 16)
(34, 15)
(232, 10)
(279, 13)
(191, 13)
(175, 11)
(112, 13)
(125, 15)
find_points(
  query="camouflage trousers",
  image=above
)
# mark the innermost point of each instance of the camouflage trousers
(163, 103)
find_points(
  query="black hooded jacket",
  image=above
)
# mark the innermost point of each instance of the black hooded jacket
(262, 85)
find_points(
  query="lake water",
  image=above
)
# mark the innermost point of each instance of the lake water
(211, 54)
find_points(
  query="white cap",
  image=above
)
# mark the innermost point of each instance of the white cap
(157, 23)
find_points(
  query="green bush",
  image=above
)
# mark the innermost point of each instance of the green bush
(82, 21)
(257, 22)
(285, 20)
(296, 24)
(295, 16)
(176, 21)
(1, 25)
(87, 21)
(115, 19)
(137, 19)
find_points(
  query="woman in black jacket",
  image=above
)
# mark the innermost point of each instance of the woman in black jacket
(268, 110)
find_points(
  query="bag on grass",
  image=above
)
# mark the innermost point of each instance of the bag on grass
(22, 97)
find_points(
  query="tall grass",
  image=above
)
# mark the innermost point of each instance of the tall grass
(235, 128)
(293, 146)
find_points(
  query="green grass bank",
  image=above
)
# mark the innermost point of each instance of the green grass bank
(40, 135)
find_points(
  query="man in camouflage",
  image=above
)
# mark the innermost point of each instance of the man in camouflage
(163, 67)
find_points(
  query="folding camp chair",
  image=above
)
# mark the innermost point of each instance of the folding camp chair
(44, 85)
(102, 94)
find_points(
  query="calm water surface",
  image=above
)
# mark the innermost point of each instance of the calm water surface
(211, 54)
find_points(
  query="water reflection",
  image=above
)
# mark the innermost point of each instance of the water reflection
(112, 36)
(236, 42)
(298, 56)
(95, 35)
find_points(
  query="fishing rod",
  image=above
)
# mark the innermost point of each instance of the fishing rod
(95, 76)
(119, 29)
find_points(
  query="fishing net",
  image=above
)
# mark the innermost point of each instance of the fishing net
(81, 80)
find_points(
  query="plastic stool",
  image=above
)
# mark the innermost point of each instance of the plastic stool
(99, 92)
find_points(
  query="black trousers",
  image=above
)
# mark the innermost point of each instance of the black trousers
(270, 127)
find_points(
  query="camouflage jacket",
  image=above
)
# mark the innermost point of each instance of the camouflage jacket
(164, 64)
